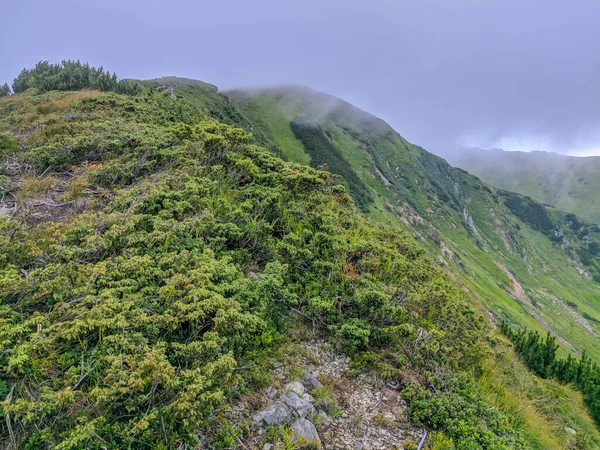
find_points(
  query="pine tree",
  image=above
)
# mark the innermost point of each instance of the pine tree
(4, 90)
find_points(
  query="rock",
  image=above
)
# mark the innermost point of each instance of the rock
(360, 445)
(267, 447)
(309, 398)
(570, 430)
(270, 392)
(301, 407)
(311, 380)
(276, 414)
(295, 386)
(307, 377)
(305, 430)
(323, 417)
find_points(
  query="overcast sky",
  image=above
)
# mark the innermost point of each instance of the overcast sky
(514, 74)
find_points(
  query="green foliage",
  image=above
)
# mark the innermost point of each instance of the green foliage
(464, 416)
(8, 144)
(529, 211)
(324, 154)
(70, 76)
(457, 217)
(540, 356)
(124, 326)
(4, 90)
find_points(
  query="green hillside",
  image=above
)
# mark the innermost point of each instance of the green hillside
(525, 262)
(567, 182)
(158, 261)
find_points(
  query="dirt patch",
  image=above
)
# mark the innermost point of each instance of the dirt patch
(373, 416)
(35, 198)
(358, 412)
(517, 291)
(383, 178)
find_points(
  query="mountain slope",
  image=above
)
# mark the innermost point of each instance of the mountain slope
(535, 274)
(567, 182)
(155, 261)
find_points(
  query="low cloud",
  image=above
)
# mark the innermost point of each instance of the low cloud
(519, 74)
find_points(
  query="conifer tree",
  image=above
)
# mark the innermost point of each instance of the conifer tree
(4, 90)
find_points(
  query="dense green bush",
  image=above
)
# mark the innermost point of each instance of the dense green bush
(126, 325)
(464, 415)
(71, 76)
(529, 211)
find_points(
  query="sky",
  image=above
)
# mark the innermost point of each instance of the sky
(512, 74)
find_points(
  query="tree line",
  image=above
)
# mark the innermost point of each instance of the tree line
(69, 75)
(539, 355)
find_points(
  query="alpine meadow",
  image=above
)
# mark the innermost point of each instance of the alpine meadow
(173, 254)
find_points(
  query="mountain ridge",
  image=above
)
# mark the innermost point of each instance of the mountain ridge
(159, 257)
(430, 187)
(566, 182)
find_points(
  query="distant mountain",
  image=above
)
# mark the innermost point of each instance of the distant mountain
(569, 183)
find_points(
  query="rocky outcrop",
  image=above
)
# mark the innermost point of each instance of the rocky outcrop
(328, 407)
(294, 405)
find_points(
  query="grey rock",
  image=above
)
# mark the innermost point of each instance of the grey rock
(570, 430)
(309, 398)
(303, 429)
(301, 407)
(308, 376)
(267, 446)
(270, 392)
(323, 417)
(311, 380)
(295, 386)
(276, 414)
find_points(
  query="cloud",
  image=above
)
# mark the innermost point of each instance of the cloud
(511, 72)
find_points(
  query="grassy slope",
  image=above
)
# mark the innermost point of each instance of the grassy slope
(417, 191)
(171, 228)
(438, 203)
(543, 407)
(566, 182)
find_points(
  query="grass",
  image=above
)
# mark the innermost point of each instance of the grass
(566, 182)
(544, 408)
